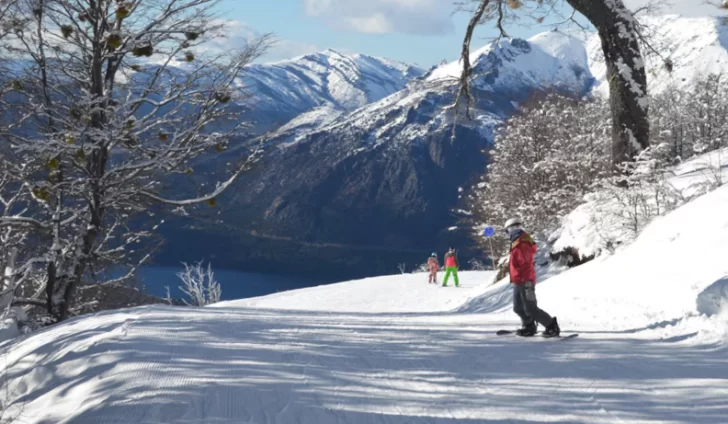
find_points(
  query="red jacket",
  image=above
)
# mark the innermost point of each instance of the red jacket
(522, 268)
(450, 260)
(433, 264)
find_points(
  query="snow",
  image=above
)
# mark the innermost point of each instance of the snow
(307, 122)
(658, 278)
(696, 46)
(394, 349)
(652, 317)
(597, 223)
(404, 293)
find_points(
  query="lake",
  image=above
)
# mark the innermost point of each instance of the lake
(235, 284)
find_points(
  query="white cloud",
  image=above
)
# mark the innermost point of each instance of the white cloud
(421, 17)
(237, 34)
(690, 8)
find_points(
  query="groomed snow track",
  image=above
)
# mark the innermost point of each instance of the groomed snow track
(252, 365)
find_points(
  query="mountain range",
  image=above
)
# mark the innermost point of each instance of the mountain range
(362, 171)
(326, 81)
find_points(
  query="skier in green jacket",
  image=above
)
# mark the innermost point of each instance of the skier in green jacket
(451, 267)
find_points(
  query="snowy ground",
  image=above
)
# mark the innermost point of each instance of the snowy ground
(652, 324)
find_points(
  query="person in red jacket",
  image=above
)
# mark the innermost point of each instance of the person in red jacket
(433, 267)
(523, 278)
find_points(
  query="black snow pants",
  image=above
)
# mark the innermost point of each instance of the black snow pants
(526, 306)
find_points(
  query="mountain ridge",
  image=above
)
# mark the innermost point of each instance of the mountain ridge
(283, 90)
(385, 174)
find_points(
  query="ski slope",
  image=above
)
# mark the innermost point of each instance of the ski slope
(652, 323)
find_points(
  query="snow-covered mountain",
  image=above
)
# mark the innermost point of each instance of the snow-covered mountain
(508, 71)
(393, 350)
(696, 46)
(340, 82)
(384, 177)
(549, 60)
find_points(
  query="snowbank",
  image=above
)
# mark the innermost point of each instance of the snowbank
(713, 300)
(658, 278)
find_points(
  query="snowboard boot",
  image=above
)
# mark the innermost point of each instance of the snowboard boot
(528, 330)
(553, 329)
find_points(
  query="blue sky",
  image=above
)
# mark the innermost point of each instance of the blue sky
(422, 32)
(425, 39)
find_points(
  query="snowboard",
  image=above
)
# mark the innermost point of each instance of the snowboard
(570, 336)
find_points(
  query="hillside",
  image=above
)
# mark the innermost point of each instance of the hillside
(652, 323)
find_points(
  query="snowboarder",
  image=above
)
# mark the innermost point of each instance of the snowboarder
(451, 267)
(523, 277)
(433, 266)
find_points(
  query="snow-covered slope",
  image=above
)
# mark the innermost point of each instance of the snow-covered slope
(327, 79)
(653, 321)
(665, 277)
(602, 223)
(392, 294)
(696, 46)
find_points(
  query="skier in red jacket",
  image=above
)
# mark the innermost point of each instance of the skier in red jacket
(433, 266)
(523, 278)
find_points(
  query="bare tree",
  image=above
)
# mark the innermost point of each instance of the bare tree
(619, 32)
(199, 285)
(113, 99)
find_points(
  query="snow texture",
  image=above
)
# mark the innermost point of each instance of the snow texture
(395, 349)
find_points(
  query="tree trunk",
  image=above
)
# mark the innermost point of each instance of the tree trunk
(626, 75)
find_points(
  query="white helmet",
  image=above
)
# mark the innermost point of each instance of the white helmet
(513, 221)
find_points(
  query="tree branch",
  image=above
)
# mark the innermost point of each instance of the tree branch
(29, 302)
(464, 90)
(19, 221)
